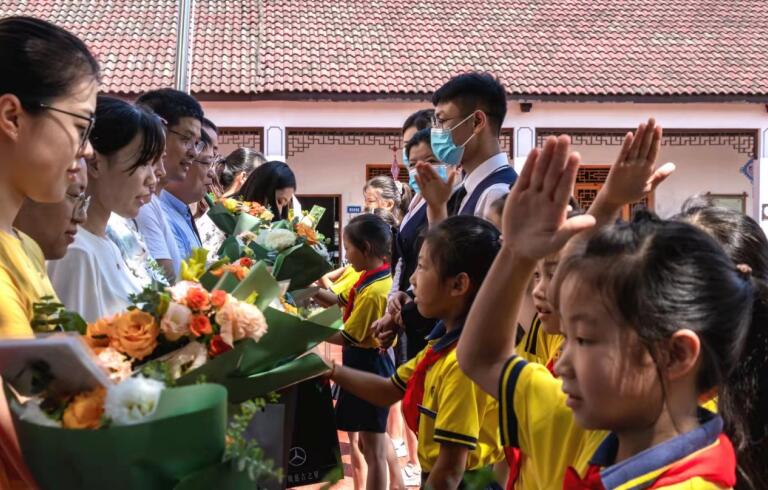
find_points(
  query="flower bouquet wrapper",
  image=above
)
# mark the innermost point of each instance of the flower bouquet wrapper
(302, 264)
(222, 218)
(185, 435)
(246, 222)
(287, 338)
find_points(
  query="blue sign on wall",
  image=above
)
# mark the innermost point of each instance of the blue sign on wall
(354, 209)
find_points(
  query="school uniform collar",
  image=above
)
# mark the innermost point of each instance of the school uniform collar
(371, 276)
(496, 162)
(657, 457)
(442, 338)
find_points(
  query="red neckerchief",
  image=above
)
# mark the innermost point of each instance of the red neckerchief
(414, 391)
(360, 282)
(715, 463)
(514, 459)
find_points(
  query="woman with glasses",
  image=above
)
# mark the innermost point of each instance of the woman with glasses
(47, 98)
(128, 141)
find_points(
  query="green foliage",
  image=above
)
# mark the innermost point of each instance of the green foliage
(151, 301)
(159, 371)
(246, 455)
(50, 316)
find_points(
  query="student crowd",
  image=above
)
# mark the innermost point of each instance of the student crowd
(512, 331)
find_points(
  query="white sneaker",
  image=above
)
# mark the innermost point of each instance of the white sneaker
(411, 475)
(401, 450)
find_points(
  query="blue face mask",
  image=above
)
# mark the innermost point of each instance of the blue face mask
(406, 162)
(441, 170)
(443, 146)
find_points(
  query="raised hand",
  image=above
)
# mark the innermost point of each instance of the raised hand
(534, 222)
(433, 188)
(634, 174)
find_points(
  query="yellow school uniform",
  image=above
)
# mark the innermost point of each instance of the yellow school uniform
(370, 304)
(23, 281)
(539, 346)
(454, 409)
(344, 284)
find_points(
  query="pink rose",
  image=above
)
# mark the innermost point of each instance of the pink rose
(239, 320)
(175, 322)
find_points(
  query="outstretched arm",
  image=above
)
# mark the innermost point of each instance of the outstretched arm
(368, 386)
(534, 225)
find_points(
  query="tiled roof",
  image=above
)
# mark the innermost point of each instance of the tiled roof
(275, 48)
(135, 40)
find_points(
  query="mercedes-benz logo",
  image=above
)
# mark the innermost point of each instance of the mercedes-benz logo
(297, 457)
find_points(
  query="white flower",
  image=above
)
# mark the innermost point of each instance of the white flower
(279, 239)
(31, 412)
(239, 320)
(175, 322)
(191, 356)
(179, 291)
(247, 237)
(133, 401)
(116, 363)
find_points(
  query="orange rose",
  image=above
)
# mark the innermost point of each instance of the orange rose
(218, 298)
(197, 299)
(307, 232)
(200, 325)
(85, 410)
(98, 334)
(218, 346)
(135, 334)
(236, 270)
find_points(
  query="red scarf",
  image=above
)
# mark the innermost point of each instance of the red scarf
(361, 284)
(514, 459)
(715, 463)
(414, 391)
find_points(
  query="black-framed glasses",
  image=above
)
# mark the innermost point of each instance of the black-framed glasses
(188, 141)
(83, 137)
(81, 201)
(209, 162)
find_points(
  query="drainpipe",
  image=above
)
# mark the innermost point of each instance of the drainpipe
(183, 45)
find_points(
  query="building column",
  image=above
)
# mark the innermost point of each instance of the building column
(274, 142)
(525, 141)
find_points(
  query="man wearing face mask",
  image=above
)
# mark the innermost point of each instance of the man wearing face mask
(469, 111)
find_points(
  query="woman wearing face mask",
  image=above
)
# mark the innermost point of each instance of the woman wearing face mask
(93, 278)
(47, 98)
(272, 184)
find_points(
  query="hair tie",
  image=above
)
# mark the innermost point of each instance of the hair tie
(744, 271)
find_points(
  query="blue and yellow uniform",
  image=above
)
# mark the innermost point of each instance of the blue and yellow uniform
(534, 417)
(454, 409)
(539, 346)
(367, 302)
(345, 283)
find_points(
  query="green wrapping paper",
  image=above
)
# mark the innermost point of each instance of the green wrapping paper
(222, 218)
(302, 264)
(185, 436)
(287, 338)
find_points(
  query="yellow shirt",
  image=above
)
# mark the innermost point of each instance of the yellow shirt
(23, 281)
(454, 410)
(535, 418)
(343, 284)
(539, 346)
(370, 304)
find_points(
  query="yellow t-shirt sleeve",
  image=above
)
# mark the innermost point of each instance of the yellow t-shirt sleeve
(458, 418)
(14, 317)
(368, 308)
(404, 372)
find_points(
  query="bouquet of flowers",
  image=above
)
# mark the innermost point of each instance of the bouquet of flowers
(234, 217)
(293, 247)
(134, 434)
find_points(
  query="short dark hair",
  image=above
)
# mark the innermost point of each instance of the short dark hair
(117, 124)
(371, 235)
(207, 123)
(420, 119)
(41, 61)
(172, 105)
(476, 91)
(421, 136)
(264, 181)
(465, 244)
